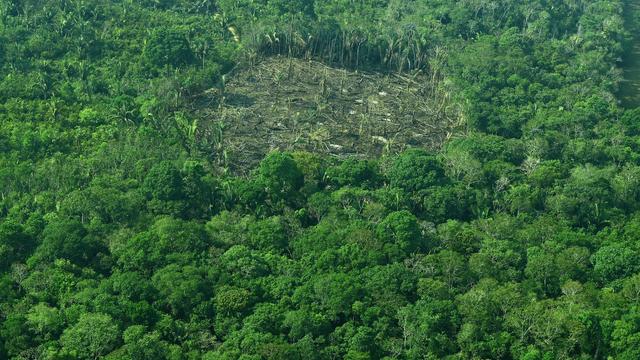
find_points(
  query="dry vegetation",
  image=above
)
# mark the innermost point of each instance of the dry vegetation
(293, 104)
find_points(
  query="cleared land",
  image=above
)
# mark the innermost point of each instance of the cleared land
(293, 104)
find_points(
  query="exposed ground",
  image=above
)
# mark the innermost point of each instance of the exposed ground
(293, 104)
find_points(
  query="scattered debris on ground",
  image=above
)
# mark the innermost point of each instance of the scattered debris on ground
(293, 104)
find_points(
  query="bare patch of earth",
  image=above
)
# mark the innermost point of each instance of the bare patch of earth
(293, 104)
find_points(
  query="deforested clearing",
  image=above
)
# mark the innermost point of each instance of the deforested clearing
(295, 104)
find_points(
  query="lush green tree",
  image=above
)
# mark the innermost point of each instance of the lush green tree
(280, 175)
(438, 319)
(401, 234)
(232, 300)
(15, 244)
(615, 261)
(67, 239)
(142, 345)
(163, 186)
(181, 289)
(415, 170)
(168, 46)
(442, 203)
(16, 335)
(542, 268)
(167, 241)
(586, 197)
(93, 336)
(497, 259)
(45, 321)
(268, 234)
(354, 173)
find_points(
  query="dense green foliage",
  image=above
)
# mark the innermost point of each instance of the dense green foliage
(123, 235)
